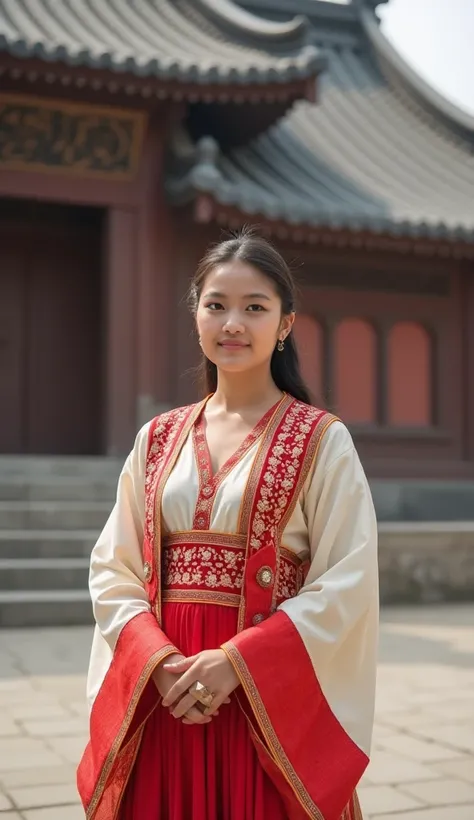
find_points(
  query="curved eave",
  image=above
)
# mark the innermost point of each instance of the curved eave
(241, 22)
(461, 121)
(204, 184)
(284, 71)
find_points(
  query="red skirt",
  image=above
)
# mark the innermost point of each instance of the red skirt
(209, 772)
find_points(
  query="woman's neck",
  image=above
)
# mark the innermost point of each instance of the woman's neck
(240, 391)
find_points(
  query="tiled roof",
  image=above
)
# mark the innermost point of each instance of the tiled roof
(376, 152)
(194, 41)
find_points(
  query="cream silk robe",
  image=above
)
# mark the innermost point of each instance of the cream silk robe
(335, 613)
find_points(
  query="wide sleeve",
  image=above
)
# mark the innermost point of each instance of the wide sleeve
(125, 624)
(309, 670)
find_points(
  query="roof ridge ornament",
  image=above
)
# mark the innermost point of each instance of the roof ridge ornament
(252, 26)
(205, 170)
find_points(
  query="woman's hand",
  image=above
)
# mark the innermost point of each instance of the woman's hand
(164, 681)
(212, 668)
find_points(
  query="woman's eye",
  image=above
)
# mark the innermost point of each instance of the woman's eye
(214, 306)
(255, 308)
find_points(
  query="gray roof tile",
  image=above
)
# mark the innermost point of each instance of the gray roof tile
(366, 156)
(197, 41)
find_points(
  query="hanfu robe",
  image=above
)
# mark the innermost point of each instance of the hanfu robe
(273, 559)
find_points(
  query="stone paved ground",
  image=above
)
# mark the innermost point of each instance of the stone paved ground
(423, 758)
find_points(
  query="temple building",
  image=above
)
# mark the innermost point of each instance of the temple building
(133, 132)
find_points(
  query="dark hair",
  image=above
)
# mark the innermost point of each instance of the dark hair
(258, 252)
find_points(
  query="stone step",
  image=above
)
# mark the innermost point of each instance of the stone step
(47, 543)
(49, 515)
(45, 608)
(43, 573)
(93, 467)
(47, 488)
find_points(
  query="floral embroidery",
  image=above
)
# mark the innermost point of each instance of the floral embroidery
(209, 483)
(281, 472)
(163, 444)
(163, 439)
(218, 567)
(275, 481)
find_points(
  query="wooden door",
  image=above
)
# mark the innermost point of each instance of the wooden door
(12, 300)
(50, 334)
(64, 350)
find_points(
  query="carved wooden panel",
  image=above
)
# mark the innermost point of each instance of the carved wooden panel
(383, 280)
(38, 134)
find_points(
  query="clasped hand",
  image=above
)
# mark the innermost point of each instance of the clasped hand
(213, 669)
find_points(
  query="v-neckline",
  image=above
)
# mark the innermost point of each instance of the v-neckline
(209, 482)
(242, 449)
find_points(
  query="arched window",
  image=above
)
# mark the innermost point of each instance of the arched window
(309, 342)
(356, 371)
(409, 375)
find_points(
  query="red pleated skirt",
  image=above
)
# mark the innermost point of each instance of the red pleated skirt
(206, 772)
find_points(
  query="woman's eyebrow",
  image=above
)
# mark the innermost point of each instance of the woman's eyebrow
(214, 294)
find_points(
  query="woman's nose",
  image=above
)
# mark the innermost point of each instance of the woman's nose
(234, 324)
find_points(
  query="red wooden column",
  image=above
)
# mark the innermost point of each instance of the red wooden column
(120, 296)
(154, 277)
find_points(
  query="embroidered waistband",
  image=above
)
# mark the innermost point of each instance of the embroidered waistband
(208, 567)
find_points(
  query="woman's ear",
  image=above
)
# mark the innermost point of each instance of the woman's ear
(287, 323)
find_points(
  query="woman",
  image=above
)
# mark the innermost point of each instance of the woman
(234, 586)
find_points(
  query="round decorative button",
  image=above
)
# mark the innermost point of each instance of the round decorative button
(148, 572)
(257, 619)
(265, 577)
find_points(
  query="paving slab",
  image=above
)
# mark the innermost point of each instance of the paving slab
(422, 765)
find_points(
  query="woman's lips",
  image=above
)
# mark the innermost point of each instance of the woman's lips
(232, 345)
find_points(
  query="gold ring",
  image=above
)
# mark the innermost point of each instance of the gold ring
(201, 693)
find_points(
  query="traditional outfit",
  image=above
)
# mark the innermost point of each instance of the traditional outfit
(274, 559)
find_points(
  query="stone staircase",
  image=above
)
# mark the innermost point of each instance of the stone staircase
(51, 512)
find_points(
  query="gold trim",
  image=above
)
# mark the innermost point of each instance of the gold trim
(205, 537)
(196, 596)
(138, 118)
(254, 475)
(311, 455)
(114, 750)
(210, 481)
(289, 555)
(305, 468)
(252, 485)
(275, 748)
(137, 741)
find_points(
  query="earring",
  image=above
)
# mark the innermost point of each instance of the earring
(280, 345)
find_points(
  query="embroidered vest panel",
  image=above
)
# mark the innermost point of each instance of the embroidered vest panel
(276, 479)
(261, 572)
(165, 438)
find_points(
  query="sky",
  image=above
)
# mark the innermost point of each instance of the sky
(437, 38)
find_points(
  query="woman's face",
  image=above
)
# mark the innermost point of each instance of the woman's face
(239, 317)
